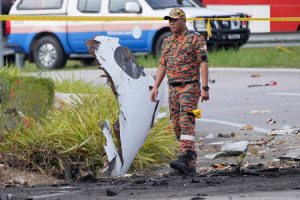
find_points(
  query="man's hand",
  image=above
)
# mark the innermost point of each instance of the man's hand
(204, 95)
(153, 94)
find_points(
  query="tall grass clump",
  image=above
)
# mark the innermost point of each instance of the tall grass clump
(70, 135)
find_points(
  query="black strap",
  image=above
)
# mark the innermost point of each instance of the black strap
(182, 83)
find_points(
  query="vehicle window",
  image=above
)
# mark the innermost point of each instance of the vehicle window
(89, 6)
(162, 4)
(39, 4)
(118, 6)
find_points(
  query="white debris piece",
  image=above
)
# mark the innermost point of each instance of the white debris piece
(240, 146)
(210, 136)
(292, 155)
(288, 131)
(259, 111)
(132, 87)
(230, 149)
(160, 116)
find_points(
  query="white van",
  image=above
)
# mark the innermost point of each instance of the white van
(50, 43)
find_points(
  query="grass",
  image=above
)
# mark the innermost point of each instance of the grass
(276, 57)
(271, 57)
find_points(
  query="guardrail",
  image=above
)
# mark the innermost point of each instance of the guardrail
(18, 57)
(273, 39)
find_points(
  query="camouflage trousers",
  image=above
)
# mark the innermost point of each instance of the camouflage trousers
(182, 99)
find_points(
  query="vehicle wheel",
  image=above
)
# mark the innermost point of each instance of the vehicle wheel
(48, 53)
(159, 42)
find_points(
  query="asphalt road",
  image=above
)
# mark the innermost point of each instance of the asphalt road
(231, 100)
(221, 187)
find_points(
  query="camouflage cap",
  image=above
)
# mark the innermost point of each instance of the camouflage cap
(175, 13)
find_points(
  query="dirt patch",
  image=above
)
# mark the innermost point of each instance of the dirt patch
(11, 176)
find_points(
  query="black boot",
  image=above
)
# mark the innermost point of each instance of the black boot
(185, 164)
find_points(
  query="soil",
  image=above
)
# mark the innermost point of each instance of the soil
(12, 173)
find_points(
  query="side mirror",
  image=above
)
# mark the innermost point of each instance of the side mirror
(132, 7)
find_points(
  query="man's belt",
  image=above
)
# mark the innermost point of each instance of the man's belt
(182, 83)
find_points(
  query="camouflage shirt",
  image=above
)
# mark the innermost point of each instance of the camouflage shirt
(182, 56)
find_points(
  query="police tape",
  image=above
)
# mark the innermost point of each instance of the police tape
(123, 18)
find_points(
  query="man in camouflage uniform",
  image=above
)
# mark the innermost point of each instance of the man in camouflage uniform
(184, 59)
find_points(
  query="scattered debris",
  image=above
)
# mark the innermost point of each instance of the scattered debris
(197, 198)
(247, 128)
(288, 131)
(131, 86)
(223, 135)
(262, 141)
(210, 136)
(221, 166)
(255, 75)
(233, 134)
(271, 83)
(271, 121)
(88, 177)
(194, 180)
(110, 192)
(259, 111)
(262, 154)
(230, 149)
(212, 81)
(19, 180)
(160, 116)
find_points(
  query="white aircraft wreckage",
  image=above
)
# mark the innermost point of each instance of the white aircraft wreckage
(131, 86)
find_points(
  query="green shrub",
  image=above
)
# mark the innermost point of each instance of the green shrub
(26, 95)
(66, 135)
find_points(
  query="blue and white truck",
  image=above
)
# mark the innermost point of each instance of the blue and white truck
(50, 43)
